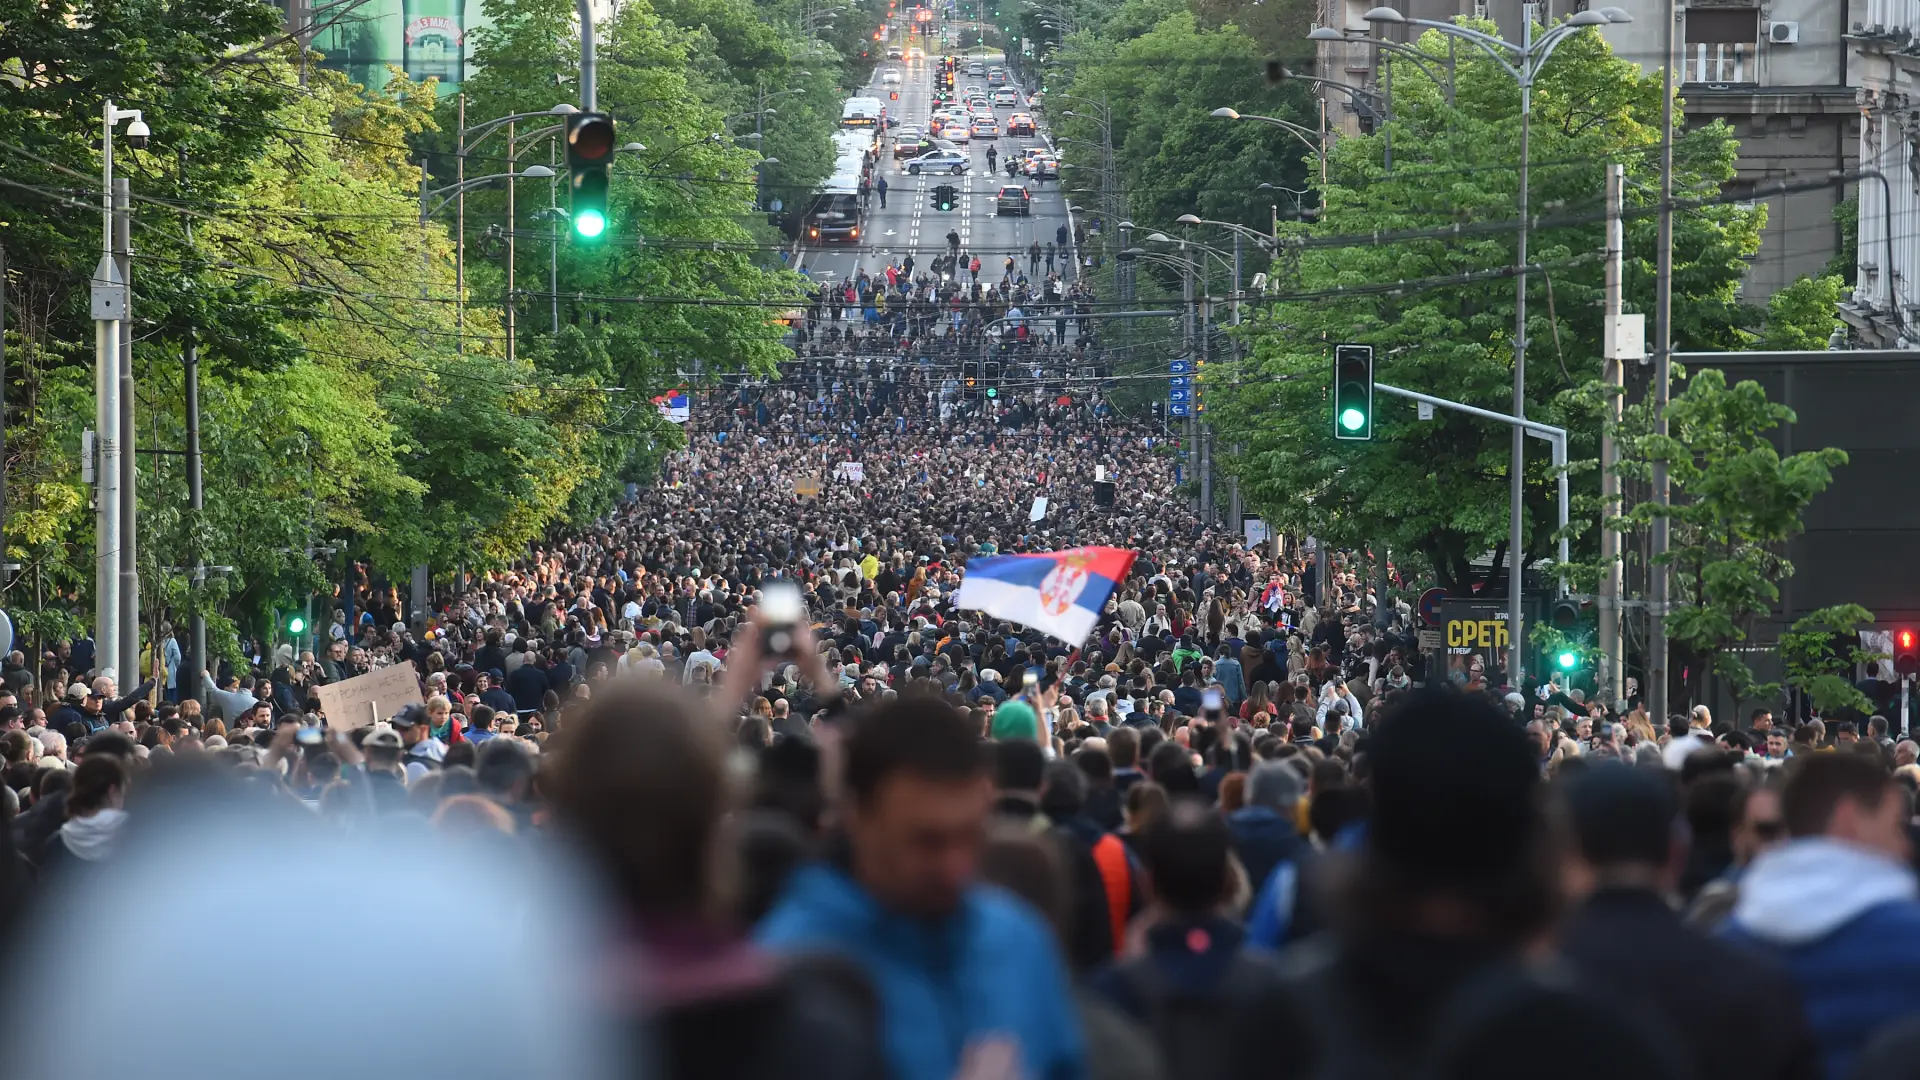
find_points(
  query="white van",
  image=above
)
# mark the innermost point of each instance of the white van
(861, 112)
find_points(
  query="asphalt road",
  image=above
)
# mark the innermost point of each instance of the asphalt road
(910, 224)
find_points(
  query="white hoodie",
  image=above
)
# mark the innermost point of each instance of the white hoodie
(1804, 890)
(92, 838)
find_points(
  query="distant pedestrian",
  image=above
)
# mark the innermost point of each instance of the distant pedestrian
(880, 185)
(1052, 252)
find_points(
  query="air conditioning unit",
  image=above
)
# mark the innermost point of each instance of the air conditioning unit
(1783, 33)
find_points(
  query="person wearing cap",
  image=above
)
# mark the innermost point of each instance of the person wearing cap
(488, 687)
(69, 711)
(1736, 1012)
(424, 753)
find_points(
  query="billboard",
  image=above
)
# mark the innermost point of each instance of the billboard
(425, 38)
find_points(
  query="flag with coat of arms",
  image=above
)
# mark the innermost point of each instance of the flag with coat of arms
(1058, 592)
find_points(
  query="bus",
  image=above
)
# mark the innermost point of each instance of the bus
(834, 216)
(861, 112)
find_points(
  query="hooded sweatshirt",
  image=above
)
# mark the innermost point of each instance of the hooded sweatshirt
(91, 839)
(988, 970)
(1845, 922)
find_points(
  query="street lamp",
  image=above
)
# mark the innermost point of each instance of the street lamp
(1305, 134)
(1524, 62)
(1417, 57)
(449, 192)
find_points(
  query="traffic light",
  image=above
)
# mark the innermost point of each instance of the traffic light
(1567, 659)
(590, 164)
(296, 624)
(945, 197)
(1353, 392)
(970, 373)
(990, 377)
(1906, 651)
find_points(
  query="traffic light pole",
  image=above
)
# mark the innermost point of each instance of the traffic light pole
(1556, 437)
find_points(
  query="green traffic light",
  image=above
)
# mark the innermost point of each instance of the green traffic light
(1353, 419)
(589, 223)
(993, 391)
(296, 625)
(1568, 660)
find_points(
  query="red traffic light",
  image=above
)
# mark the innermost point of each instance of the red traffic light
(1906, 651)
(589, 139)
(1906, 639)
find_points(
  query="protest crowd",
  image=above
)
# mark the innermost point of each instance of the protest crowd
(636, 825)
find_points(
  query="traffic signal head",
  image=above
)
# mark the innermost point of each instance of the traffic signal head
(589, 165)
(1353, 392)
(1567, 659)
(1906, 651)
(945, 197)
(296, 624)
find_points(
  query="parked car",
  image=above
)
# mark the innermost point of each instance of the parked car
(985, 128)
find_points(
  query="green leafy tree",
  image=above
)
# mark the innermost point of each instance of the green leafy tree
(1820, 653)
(1439, 310)
(1736, 502)
(1802, 315)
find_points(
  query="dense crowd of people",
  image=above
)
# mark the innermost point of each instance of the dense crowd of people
(1232, 833)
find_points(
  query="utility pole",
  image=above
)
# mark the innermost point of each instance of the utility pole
(127, 658)
(3, 410)
(589, 89)
(513, 162)
(1612, 667)
(460, 229)
(191, 684)
(1199, 376)
(110, 306)
(1656, 689)
(1234, 509)
(1190, 452)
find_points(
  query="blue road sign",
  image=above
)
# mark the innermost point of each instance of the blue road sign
(1179, 395)
(1179, 367)
(1178, 408)
(1180, 381)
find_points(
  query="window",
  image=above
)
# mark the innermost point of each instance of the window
(1720, 45)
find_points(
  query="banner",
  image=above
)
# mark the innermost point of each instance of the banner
(855, 471)
(424, 38)
(367, 699)
(1039, 511)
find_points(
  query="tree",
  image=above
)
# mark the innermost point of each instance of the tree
(1736, 502)
(1415, 260)
(1820, 653)
(1802, 315)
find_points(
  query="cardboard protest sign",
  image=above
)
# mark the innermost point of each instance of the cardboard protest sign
(366, 699)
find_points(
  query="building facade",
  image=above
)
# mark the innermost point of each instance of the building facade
(1778, 71)
(1882, 309)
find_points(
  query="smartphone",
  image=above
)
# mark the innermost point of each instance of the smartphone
(1211, 702)
(1029, 681)
(781, 610)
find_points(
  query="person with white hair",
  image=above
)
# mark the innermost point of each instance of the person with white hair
(53, 750)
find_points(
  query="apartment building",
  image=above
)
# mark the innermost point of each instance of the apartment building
(1882, 309)
(1778, 71)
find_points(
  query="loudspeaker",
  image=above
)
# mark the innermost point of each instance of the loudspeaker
(1103, 494)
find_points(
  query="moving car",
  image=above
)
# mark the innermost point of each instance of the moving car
(976, 68)
(891, 76)
(916, 53)
(1044, 167)
(893, 53)
(1006, 97)
(985, 128)
(906, 142)
(939, 161)
(1013, 199)
(996, 77)
(1020, 124)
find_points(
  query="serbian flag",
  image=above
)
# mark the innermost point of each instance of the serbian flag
(1059, 592)
(674, 406)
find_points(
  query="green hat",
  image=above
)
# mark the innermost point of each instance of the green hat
(1015, 720)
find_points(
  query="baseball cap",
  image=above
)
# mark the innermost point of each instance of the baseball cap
(78, 692)
(382, 738)
(409, 716)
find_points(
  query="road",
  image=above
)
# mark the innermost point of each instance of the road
(910, 224)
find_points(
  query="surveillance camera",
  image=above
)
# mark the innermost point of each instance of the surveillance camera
(138, 134)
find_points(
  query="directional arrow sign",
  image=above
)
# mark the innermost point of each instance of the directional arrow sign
(1178, 408)
(1179, 395)
(1180, 381)
(1179, 367)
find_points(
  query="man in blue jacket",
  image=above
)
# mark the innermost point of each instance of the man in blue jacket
(1837, 903)
(967, 976)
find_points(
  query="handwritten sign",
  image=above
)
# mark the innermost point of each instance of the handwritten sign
(855, 471)
(366, 699)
